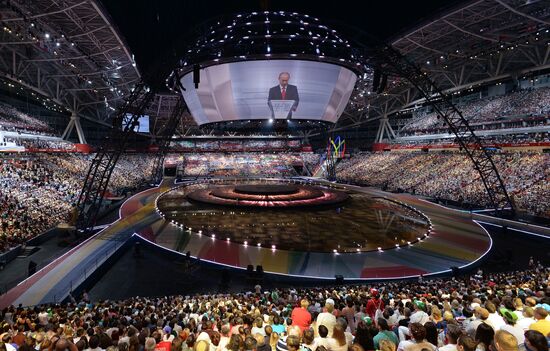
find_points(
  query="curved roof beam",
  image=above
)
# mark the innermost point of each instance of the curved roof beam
(115, 33)
(521, 13)
(44, 14)
(469, 33)
(424, 47)
(74, 57)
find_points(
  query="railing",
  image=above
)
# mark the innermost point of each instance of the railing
(61, 291)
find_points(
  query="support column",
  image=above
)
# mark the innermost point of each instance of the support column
(74, 122)
(385, 131)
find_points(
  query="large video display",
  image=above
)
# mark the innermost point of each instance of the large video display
(265, 89)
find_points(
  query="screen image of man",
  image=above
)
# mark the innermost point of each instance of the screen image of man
(283, 91)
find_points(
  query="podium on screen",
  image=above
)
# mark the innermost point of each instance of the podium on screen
(281, 108)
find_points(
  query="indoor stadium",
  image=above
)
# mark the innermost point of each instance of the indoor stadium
(274, 175)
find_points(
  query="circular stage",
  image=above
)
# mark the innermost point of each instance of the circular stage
(373, 235)
(268, 195)
(316, 218)
(266, 189)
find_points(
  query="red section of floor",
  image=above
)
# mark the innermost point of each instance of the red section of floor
(478, 244)
(129, 207)
(220, 251)
(148, 234)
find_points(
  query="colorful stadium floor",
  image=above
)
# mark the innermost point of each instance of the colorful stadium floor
(456, 240)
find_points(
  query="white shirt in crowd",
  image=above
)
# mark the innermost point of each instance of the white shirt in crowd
(328, 320)
(419, 317)
(515, 331)
(448, 347)
(524, 323)
(495, 321)
(412, 345)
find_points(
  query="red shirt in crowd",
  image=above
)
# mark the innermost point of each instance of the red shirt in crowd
(163, 346)
(372, 305)
(301, 317)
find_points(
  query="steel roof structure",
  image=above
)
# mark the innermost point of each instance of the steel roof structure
(479, 43)
(68, 51)
(160, 110)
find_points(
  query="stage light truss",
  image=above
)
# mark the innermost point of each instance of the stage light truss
(392, 62)
(164, 137)
(104, 162)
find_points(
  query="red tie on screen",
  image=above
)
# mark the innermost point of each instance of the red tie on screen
(283, 93)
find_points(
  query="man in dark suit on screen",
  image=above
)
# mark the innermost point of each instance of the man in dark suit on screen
(283, 91)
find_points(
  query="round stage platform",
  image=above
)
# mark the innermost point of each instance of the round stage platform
(296, 217)
(371, 235)
(268, 195)
(266, 189)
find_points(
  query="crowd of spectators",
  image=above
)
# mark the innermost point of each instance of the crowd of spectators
(40, 143)
(450, 175)
(496, 312)
(523, 103)
(248, 163)
(11, 119)
(38, 191)
(251, 145)
(493, 140)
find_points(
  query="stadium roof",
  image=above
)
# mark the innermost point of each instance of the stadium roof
(69, 51)
(476, 43)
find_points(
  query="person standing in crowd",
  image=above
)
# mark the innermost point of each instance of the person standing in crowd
(542, 324)
(505, 341)
(327, 318)
(453, 334)
(300, 315)
(535, 341)
(484, 336)
(418, 341)
(384, 332)
(375, 303)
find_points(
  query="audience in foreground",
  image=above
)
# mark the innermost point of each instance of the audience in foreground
(478, 313)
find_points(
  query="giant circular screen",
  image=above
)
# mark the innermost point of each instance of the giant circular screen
(269, 89)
